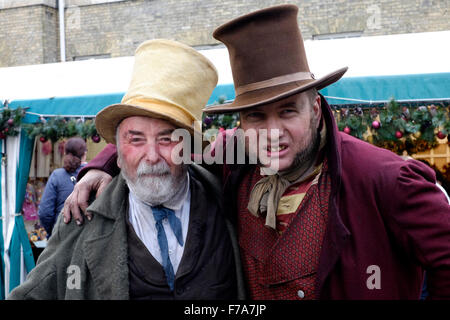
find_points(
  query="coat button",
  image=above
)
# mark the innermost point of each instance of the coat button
(180, 290)
(300, 294)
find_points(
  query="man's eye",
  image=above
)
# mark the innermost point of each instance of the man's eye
(288, 112)
(165, 140)
(136, 140)
(254, 115)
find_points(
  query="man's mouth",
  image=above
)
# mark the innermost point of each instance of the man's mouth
(276, 149)
(154, 174)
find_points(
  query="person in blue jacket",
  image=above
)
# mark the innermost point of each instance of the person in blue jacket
(61, 182)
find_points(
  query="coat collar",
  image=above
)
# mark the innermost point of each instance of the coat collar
(337, 233)
(115, 194)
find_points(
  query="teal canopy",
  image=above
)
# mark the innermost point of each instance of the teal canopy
(365, 90)
(16, 254)
(415, 87)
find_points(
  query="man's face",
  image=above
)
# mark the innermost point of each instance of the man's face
(144, 156)
(296, 120)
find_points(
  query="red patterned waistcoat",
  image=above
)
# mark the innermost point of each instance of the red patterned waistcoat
(283, 265)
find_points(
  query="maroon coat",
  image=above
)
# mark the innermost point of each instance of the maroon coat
(386, 218)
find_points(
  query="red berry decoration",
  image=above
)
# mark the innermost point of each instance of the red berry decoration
(43, 139)
(96, 138)
(398, 134)
(376, 124)
(10, 122)
(2, 135)
(347, 130)
(441, 135)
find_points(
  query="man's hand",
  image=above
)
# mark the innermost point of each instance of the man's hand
(94, 180)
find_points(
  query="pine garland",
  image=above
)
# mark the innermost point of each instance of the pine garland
(10, 121)
(396, 127)
(57, 128)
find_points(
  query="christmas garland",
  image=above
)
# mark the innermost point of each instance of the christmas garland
(59, 127)
(396, 127)
(10, 121)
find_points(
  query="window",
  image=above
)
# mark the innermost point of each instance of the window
(341, 35)
(92, 56)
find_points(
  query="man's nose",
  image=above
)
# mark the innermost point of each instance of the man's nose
(275, 129)
(152, 153)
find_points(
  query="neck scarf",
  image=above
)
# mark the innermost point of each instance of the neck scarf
(268, 191)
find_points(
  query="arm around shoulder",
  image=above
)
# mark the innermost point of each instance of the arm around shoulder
(106, 161)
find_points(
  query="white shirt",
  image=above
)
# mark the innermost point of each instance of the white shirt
(143, 222)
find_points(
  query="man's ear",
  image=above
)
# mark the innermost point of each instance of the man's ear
(119, 161)
(317, 110)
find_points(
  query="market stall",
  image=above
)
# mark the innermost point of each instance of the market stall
(76, 91)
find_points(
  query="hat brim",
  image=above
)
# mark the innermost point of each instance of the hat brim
(271, 94)
(109, 118)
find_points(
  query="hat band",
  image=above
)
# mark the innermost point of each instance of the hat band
(274, 82)
(166, 110)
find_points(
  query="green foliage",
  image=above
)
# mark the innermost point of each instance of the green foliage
(58, 127)
(418, 125)
(10, 121)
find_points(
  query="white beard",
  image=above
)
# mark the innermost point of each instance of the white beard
(157, 189)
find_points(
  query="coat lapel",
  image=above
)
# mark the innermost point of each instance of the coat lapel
(195, 236)
(106, 251)
(336, 234)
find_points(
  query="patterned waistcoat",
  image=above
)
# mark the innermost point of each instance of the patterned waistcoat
(283, 265)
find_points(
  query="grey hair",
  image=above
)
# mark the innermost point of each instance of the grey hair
(117, 134)
(312, 94)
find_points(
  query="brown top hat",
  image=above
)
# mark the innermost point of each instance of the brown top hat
(268, 59)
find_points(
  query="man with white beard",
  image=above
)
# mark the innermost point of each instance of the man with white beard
(159, 231)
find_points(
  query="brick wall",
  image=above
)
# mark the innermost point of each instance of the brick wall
(115, 28)
(28, 35)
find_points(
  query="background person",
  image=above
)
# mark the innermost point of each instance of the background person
(61, 182)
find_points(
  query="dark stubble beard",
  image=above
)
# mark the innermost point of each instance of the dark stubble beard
(309, 153)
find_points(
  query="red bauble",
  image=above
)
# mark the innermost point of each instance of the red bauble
(440, 135)
(43, 139)
(398, 134)
(376, 124)
(347, 130)
(96, 138)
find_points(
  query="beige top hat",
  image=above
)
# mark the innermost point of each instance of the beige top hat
(170, 81)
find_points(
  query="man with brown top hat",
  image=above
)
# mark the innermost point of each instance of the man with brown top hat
(341, 219)
(158, 231)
